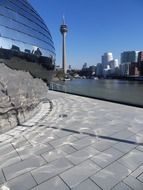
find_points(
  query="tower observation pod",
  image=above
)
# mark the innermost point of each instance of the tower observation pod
(64, 30)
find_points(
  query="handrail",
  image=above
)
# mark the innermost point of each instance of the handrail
(57, 87)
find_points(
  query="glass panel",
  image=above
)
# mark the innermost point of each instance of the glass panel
(27, 7)
(18, 36)
(24, 29)
(28, 23)
(22, 26)
(12, 5)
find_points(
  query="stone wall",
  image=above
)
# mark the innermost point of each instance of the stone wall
(20, 96)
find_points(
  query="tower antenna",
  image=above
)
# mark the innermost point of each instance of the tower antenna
(63, 19)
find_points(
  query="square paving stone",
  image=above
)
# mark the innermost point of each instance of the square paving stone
(134, 183)
(30, 135)
(83, 142)
(86, 185)
(79, 173)
(81, 155)
(67, 148)
(140, 148)
(140, 177)
(137, 172)
(5, 149)
(9, 159)
(53, 155)
(20, 128)
(20, 142)
(63, 141)
(102, 145)
(61, 133)
(53, 184)
(13, 132)
(139, 136)
(132, 160)
(23, 182)
(79, 136)
(2, 179)
(36, 149)
(124, 147)
(44, 138)
(110, 176)
(107, 129)
(23, 166)
(50, 170)
(57, 153)
(107, 157)
(4, 137)
(124, 134)
(121, 186)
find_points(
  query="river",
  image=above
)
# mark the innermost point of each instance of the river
(128, 92)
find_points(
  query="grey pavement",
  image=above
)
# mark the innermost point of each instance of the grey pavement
(80, 143)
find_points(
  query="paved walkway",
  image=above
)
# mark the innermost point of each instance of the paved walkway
(79, 144)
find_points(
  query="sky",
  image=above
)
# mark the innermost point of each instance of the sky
(94, 27)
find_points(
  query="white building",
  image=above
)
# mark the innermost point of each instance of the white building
(106, 58)
(114, 63)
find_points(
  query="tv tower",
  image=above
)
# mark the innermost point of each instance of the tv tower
(64, 30)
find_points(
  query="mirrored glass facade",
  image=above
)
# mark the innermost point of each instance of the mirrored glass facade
(24, 34)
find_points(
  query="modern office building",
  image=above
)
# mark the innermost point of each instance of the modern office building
(134, 69)
(25, 40)
(140, 56)
(99, 70)
(84, 66)
(129, 57)
(124, 69)
(114, 64)
(140, 62)
(106, 58)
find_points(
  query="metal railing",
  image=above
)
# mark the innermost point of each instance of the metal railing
(58, 87)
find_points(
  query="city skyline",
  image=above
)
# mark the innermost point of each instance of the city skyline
(95, 27)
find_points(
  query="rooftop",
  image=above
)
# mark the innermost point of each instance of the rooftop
(75, 143)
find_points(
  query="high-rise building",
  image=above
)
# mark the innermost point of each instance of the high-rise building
(106, 58)
(114, 63)
(99, 70)
(140, 62)
(84, 66)
(134, 69)
(64, 30)
(129, 57)
(124, 69)
(24, 38)
(140, 56)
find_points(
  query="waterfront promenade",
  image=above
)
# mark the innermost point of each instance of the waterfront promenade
(74, 143)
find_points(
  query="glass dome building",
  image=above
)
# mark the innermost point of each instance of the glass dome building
(25, 40)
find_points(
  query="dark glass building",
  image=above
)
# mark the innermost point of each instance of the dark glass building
(25, 40)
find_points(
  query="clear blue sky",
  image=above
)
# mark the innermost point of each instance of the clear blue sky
(95, 27)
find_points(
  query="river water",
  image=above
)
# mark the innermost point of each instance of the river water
(129, 92)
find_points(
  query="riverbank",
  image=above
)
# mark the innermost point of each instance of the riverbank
(124, 92)
(76, 143)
